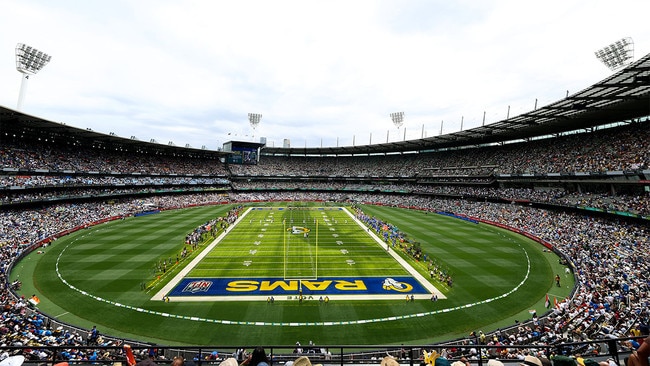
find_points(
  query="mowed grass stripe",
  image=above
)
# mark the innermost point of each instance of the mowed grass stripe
(453, 244)
(102, 257)
(325, 252)
(469, 285)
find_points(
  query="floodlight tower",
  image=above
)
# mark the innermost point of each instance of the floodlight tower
(617, 54)
(29, 61)
(398, 119)
(254, 119)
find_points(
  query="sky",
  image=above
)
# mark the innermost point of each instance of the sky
(321, 73)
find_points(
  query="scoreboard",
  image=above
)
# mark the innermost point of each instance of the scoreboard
(241, 152)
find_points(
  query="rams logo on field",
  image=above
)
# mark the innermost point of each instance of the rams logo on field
(298, 230)
(390, 284)
(198, 286)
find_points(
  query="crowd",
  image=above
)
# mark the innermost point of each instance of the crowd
(638, 204)
(625, 149)
(39, 196)
(59, 157)
(40, 181)
(610, 257)
(41, 172)
(19, 230)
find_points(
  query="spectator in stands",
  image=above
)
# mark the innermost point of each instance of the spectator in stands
(640, 356)
(179, 361)
(609, 299)
(257, 358)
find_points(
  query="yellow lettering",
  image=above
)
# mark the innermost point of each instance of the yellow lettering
(317, 286)
(250, 285)
(270, 286)
(350, 286)
(242, 286)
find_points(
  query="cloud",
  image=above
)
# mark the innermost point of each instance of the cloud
(189, 72)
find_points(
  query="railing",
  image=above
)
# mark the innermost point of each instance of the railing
(477, 355)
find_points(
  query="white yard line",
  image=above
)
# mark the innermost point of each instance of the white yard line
(160, 295)
(412, 271)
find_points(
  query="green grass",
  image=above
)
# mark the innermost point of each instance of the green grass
(111, 261)
(264, 243)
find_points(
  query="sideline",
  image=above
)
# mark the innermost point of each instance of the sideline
(412, 271)
(160, 295)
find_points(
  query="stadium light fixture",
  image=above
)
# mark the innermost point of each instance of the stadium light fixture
(617, 54)
(29, 61)
(398, 119)
(254, 119)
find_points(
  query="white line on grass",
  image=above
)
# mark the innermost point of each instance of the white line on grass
(412, 271)
(182, 273)
(260, 298)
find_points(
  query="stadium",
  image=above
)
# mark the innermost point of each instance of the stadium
(525, 236)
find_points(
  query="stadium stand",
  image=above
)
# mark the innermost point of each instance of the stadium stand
(616, 301)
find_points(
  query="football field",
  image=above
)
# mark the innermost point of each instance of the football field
(219, 292)
(297, 252)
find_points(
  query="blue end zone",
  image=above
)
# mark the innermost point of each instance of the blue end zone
(279, 286)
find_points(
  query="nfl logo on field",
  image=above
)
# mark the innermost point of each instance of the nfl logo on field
(198, 286)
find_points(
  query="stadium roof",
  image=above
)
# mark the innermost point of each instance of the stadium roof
(19, 124)
(624, 96)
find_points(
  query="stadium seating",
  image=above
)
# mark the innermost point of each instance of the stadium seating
(605, 171)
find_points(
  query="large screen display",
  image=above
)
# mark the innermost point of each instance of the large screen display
(243, 155)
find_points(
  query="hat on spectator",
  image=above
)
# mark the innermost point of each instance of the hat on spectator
(13, 361)
(531, 361)
(229, 362)
(458, 363)
(389, 361)
(303, 361)
(494, 362)
(441, 361)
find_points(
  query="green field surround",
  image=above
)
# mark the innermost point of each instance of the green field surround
(109, 275)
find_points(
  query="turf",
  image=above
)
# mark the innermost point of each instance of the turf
(110, 264)
(263, 246)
